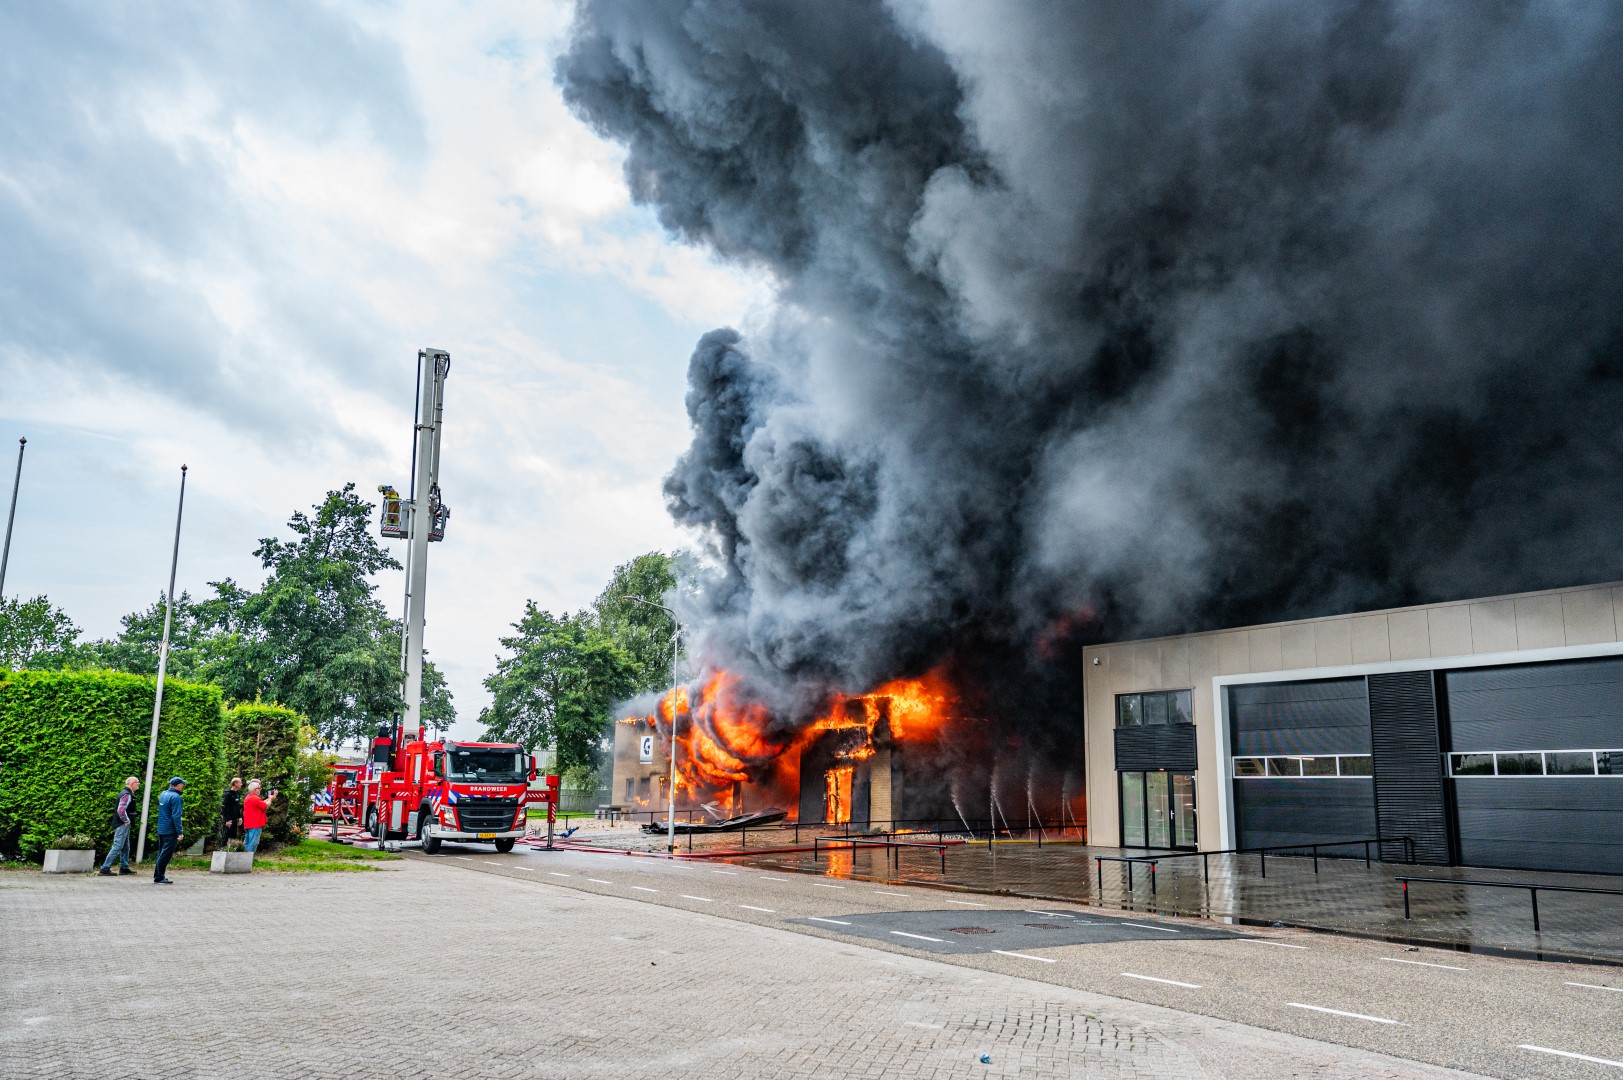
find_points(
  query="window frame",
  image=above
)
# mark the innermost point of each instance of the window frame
(1172, 700)
(1299, 761)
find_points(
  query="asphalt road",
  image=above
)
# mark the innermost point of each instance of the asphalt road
(1500, 1017)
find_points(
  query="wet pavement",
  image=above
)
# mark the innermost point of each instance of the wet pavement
(1342, 895)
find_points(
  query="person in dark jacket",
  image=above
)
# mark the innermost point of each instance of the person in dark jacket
(231, 810)
(123, 814)
(170, 831)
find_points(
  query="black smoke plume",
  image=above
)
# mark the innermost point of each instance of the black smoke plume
(1126, 318)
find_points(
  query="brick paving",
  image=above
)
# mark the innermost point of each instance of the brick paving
(432, 971)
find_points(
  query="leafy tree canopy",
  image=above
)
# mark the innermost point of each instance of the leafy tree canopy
(644, 632)
(34, 634)
(135, 649)
(556, 686)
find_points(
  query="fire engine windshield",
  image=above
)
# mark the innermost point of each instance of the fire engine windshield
(486, 765)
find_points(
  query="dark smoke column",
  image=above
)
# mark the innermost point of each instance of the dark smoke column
(1172, 315)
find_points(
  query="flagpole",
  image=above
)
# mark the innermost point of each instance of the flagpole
(5, 555)
(163, 665)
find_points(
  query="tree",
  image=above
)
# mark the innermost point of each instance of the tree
(262, 743)
(314, 638)
(438, 712)
(557, 686)
(135, 649)
(644, 632)
(34, 634)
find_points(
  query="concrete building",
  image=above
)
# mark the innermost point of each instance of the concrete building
(1490, 731)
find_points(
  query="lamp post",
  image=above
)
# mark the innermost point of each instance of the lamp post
(163, 664)
(5, 554)
(676, 634)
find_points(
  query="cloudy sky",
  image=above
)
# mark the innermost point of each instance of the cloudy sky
(228, 230)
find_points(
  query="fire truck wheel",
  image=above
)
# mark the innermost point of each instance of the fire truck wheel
(431, 844)
(504, 845)
(372, 822)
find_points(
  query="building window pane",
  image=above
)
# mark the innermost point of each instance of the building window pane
(1319, 766)
(1127, 711)
(1132, 809)
(1249, 766)
(1284, 766)
(1155, 708)
(1609, 762)
(1183, 707)
(1358, 765)
(1472, 764)
(1521, 764)
(1570, 763)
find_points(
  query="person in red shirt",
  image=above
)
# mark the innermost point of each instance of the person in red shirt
(254, 809)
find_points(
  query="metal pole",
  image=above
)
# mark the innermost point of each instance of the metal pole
(5, 555)
(163, 666)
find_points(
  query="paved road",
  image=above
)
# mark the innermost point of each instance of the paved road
(1453, 1009)
(483, 965)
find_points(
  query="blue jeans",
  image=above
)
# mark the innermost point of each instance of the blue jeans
(167, 843)
(120, 849)
(250, 839)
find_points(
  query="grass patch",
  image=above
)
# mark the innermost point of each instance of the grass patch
(306, 856)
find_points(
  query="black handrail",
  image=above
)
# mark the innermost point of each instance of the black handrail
(1532, 888)
(1260, 852)
(893, 847)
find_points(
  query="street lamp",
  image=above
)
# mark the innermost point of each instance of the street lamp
(676, 634)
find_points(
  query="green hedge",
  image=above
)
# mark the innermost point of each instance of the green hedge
(262, 742)
(69, 738)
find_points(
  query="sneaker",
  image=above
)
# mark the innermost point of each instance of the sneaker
(125, 871)
(105, 872)
(163, 881)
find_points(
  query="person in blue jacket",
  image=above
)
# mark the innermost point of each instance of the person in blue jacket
(169, 829)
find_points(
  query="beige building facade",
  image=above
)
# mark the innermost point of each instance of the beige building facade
(1509, 668)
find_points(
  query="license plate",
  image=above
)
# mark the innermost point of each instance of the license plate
(487, 836)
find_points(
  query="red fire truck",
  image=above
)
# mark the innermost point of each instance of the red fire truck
(464, 792)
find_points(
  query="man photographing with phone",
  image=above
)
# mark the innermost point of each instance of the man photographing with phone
(254, 810)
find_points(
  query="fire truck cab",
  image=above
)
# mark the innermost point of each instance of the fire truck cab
(464, 792)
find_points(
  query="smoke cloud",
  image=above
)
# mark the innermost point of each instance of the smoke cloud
(1119, 318)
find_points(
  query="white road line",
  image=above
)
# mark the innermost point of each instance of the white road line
(750, 907)
(836, 922)
(901, 894)
(705, 899)
(1422, 963)
(1595, 986)
(643, 888)
(488, 862)
(531, 869)
(820, 885)
(1024, 956)
(1275, 944)
(917, 937)
(1146, 926)
(599, 881)
(729, 873)
(1338, 1012)
(1169, 982)
(555, 873)
(1570, 1054)
(1050, 914)
(965, 903)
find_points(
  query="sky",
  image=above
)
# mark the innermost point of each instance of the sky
(229, 228)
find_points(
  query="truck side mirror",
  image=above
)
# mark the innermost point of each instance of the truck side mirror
(533, 769)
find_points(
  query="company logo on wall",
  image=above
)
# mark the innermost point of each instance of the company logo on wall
(645, 751)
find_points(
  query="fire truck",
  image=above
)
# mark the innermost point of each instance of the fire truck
(464, 792)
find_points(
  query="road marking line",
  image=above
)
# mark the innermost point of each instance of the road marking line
(1275, 944)
(705, 899)
(1422, 963)
(965, 903)
(599, 881)
(1025, 956)
(1595, 986)
(1338, 1012)
(1570, 1054)
(820, 885)
(488, 862)
(901, 894)
(528, 869)
(1050, 914)
(643, 888)
(836, 922)
(729, 873)
(750, 907)
(1169, 982)
(918, 937)
(555, 873)
(1146, 926)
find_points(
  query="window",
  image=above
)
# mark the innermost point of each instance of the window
(1295, 765)
(1158, 707)
(629, 788)
(643, 787)
(1537, 763)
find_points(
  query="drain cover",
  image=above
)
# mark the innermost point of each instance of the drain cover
(969, 930)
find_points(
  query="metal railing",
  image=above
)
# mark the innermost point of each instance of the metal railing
(893, 847)
(1533, 889)
(1260, 852)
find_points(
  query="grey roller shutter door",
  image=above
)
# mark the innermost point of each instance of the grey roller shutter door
(1408, 762)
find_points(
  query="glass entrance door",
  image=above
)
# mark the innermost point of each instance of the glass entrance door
(1157, 809)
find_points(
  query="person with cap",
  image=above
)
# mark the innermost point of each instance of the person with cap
(123, 806)
(170, 832)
